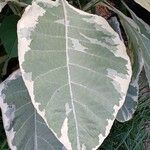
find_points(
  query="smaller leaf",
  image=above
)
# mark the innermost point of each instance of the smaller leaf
(127, 110)
(143, 26)
(144, 3)
(24, 128)
(136, 33)
(142, 39)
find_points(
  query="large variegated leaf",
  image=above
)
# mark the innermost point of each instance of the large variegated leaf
(24, 128)
(144, 3)
(76, 70)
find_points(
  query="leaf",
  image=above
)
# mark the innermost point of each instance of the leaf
(8, 35)
(138, 36)
(76, 70)
(143, 26)
(24, 128)
(2, 5)
(144, 3)
(141, 37)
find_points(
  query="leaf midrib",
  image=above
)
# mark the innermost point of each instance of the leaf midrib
(68, 71)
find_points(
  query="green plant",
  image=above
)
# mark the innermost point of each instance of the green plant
(75, 75)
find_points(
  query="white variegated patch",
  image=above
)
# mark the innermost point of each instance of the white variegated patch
(64, 135)
(77, 45)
